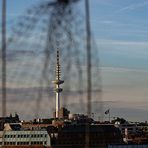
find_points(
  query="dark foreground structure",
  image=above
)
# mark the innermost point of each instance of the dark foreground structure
(128, 146)
(74, 136)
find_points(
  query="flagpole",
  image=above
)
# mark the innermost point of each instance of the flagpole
(109, 115)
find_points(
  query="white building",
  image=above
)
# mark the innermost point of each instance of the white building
(38, 137)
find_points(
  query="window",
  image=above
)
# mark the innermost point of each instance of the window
(32, 142)
(38, 143)
(35, 143)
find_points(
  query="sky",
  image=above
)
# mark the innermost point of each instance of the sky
(120, 29)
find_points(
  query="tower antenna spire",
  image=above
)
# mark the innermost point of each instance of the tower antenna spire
(57, 83)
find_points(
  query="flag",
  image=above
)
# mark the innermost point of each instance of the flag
(107, 111)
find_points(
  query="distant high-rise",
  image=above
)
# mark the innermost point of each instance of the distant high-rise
(57, 83)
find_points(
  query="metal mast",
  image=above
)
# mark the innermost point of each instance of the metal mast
(89, 82)
(4, 58)
(57, 83)
(88, 48)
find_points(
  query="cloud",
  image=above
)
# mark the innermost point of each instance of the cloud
(127, 8)
(100, 2)
(133, 6)
(124, 47)
(119, 69)
(122, 42)
(107, 22)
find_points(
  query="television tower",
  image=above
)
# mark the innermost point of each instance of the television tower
(57, 83)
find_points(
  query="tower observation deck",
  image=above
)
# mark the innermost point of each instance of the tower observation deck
(57, 83)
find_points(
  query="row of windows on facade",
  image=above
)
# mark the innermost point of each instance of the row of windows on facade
(26, 136)
(25, 143)
(92, 142)
(94, 135)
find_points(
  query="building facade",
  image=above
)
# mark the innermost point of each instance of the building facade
(24, 138)
(74, 136)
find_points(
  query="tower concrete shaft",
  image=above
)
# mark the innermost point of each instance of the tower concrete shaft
(57, 83)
